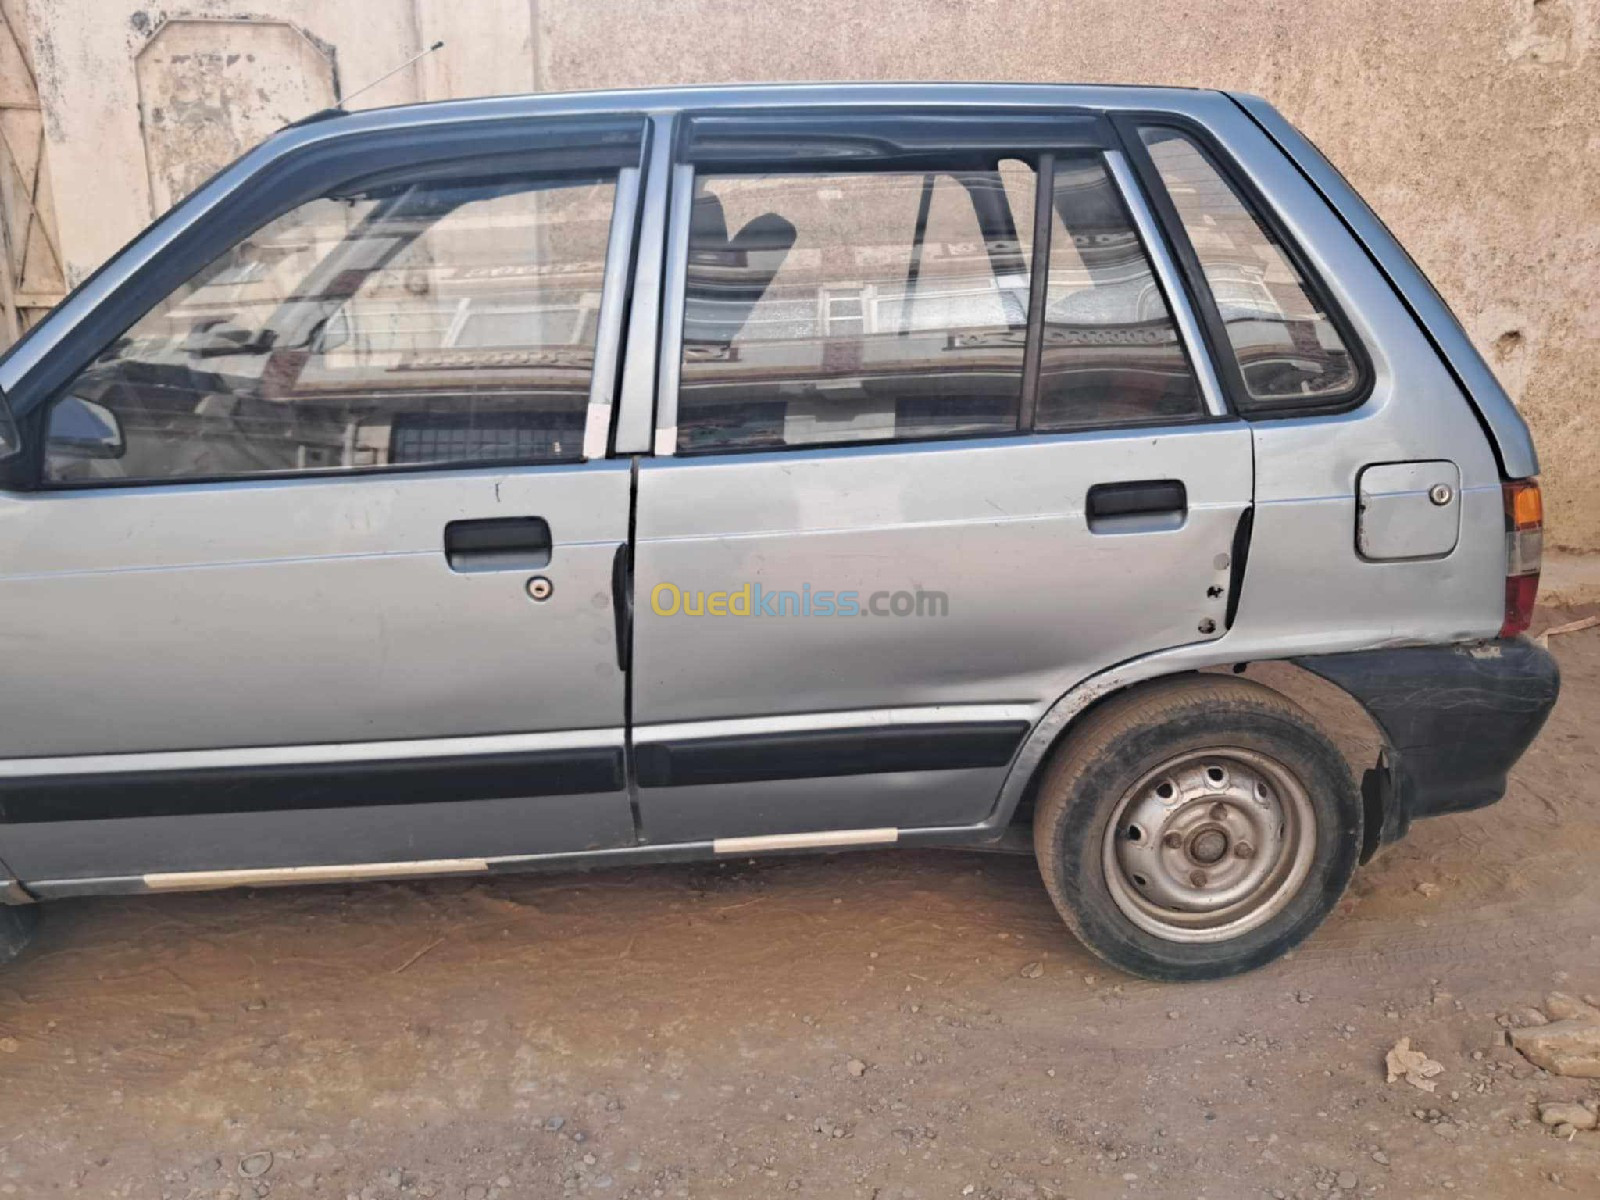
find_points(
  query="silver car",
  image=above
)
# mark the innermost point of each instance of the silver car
(574, 481)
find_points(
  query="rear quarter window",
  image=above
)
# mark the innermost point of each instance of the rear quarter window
(1290, 351)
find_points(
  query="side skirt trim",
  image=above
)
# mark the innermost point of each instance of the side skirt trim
(971, 837)
(805, 841)
(196, 881)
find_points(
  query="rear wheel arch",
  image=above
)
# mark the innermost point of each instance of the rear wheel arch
(1339, 714)
(1043, 755)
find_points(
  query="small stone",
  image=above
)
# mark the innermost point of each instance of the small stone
(254, 1166)
(554, 1124)
(9, 1045)
(1526, 1017)
(477, 1192)
(856, 1067)
(1428, 890)
(1379, 1157)
(1033, 970)
(1347, 1181)
(503, 1182)
(1575, 1115)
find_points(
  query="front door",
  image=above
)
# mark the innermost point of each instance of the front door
(315, 568)
(934, 445)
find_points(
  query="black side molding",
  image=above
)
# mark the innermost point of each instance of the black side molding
(298, 786)
(1455, 719)
(829, 753)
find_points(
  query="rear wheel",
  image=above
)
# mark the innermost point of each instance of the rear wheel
(1196, 828)
(17, 923)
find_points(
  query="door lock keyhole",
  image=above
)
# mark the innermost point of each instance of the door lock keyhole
(540, 588)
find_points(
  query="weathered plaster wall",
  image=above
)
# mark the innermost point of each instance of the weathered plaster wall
(1473, 126)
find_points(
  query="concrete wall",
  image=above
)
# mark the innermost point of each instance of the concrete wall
(1472, 126)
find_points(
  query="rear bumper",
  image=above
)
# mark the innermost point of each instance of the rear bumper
(1454, 721)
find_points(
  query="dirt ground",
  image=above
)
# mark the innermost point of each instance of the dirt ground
(882, 1026)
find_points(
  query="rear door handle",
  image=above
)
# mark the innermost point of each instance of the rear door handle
(1144, 504)
(497, 544)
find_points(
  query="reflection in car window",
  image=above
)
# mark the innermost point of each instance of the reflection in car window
(825, 309)
(1111, 351)
(1287, 347)
(439, 322)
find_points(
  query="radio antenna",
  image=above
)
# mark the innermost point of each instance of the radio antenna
(419, 55)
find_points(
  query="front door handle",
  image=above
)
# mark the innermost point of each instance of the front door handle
(1145, 504)
(497, 544)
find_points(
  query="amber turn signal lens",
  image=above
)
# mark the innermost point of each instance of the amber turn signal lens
(1524, 505)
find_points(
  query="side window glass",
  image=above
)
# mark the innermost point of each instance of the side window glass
(1111, 352)
(1288, 349)
(836, 308)
(439, 322)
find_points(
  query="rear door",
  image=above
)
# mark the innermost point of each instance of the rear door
(315, 563)
(934, 444)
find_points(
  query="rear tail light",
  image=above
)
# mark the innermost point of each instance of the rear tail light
(1524, 546)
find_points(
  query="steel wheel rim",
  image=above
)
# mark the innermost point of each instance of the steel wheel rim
(1209, 845)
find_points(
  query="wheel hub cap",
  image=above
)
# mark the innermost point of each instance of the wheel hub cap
(1209, 844)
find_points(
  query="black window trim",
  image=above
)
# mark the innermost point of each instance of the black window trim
(1096, 134)
(1226, 363)
(872, 138)
(576, 147)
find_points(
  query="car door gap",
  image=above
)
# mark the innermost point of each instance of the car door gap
(622, 598)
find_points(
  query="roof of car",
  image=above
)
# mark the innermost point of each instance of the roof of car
(763, 95)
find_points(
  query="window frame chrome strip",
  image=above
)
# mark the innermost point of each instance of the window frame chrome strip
(674, 293)
(1166, 269)
(637, 398)
(608, 341)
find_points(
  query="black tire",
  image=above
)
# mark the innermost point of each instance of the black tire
(17, 925)
(1116, 748)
